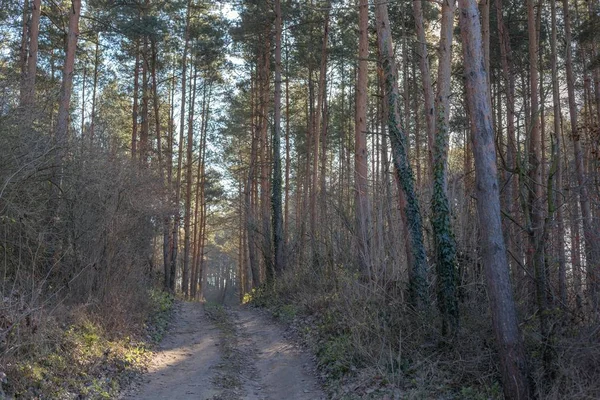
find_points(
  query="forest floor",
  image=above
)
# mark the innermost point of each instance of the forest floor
(213, 353)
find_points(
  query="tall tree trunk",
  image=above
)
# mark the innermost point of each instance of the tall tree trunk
(28, 97)
(440, 206)
(536, 197)
(167, 238)
(156, 108)
(203, 222)
(405, 247)
(95, 88)
(185, 276)
(576, 255)
(145, 123)
(288, 160)
(176, 220)
(241, 270)
(560, 237)
(136, 84)
(159, 150)
(303, 209)
(62, 123)
(592, 247)
(513, 366)
(265, 198)
(201, 198)
(512, 187)
(247, 270)
(541, 103)
(322, 199)
(485, 35)
(23, 51)
(360, 144)
(316, 138)
(248, 195)
(197, 202)
(418, 276)
(425, 79)
(278, 240)
(593, 10)
(417, 115)
(82, 116)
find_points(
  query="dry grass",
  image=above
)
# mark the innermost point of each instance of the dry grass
(77, 352)
(369, 344)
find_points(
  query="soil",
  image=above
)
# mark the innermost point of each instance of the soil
(234, 353)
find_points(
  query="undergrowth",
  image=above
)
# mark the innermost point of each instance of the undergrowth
(80, 358)
(158, 319)
(369, 344)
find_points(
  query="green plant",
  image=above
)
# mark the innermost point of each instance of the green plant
(335, 356)
(286, 312)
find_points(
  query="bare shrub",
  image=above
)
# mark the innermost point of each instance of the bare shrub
(75, 233)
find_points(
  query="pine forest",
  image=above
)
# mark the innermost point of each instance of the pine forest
(409, 189)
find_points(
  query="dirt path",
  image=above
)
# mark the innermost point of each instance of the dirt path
(284, 370)
(184, 365)
(216, 354)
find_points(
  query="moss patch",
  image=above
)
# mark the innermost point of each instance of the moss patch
(83, 360)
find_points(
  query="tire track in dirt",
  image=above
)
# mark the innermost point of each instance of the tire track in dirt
(238, 353)
(285, 370)
(184, 365)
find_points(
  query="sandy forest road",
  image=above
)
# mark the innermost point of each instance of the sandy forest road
(237, 354)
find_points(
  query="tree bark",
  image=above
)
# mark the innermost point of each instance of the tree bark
(62, 122)
(440, 206)
(418, 276)
(316, 137)
(592, 247)
(360, 144)
(145, 123)
(248, 195)
(513, 366)
(536, 197)
(576, 255)
(560, 237)
(201, 271)
(95, 88)
(265, 198)
(593, 10)
(485, 35)
(425, 79)
(201, 198)
(241, 270)
(82, 116)
(159, 150)
(23, 51)
(512, 186)
(198, 200)
(28, 97)
(288, 160)
(167, 238)
(278, 240)
(185, 276)
(176, 220)
(136, 83)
